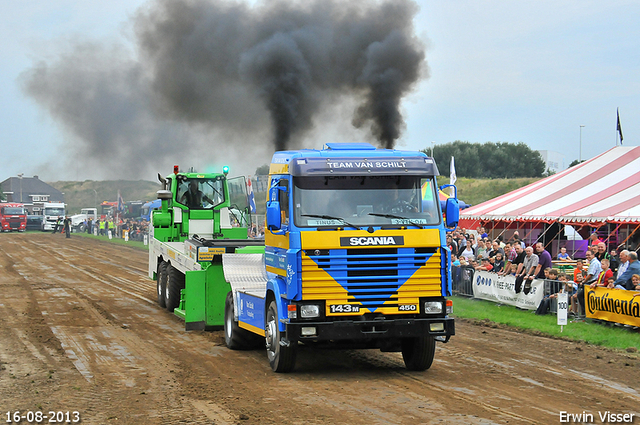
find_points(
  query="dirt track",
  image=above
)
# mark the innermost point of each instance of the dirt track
(80, 331)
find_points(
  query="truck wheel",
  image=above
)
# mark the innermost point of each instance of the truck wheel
(235, 337)
(161, 283)
(175, 282)
(418, 352)
(281, 354)
(81, 228)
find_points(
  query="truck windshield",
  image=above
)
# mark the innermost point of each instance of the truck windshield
(365, 201)
(54, 211)
(13, 211)
(200, 193)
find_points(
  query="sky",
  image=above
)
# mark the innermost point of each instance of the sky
(550, 74)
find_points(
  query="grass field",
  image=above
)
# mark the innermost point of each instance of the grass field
(130, 243)
(525, 320)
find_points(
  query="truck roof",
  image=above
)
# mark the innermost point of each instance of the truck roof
(352, 159)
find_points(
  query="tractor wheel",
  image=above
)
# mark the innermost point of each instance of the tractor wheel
(418, 352)
(161, 283)
(281, 354)
(175, 282)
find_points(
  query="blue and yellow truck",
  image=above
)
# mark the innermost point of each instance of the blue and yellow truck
(354, 254)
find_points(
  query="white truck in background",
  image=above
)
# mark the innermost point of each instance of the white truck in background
(78, 221)
(52, 212)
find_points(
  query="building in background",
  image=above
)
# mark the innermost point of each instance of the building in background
(30, 191)
(554, 161)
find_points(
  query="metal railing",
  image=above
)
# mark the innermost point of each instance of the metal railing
(462, 278)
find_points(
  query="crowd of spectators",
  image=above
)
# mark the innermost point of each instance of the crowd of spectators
(135, 229)
(601, 267)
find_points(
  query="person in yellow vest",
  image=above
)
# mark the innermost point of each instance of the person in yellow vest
(102, 226)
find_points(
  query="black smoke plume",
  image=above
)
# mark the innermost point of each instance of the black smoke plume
(230, 73)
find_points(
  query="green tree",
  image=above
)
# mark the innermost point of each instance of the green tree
(489, 160)
(262, 170)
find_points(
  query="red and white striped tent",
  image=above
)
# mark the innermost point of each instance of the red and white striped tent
(603, 190)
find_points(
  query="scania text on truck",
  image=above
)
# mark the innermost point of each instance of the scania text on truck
(13, 217)
(355, 256)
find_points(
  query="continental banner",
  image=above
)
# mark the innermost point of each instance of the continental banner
(501, 289)
(613, 305)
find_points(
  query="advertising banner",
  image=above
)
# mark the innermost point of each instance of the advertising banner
(613, 305)
(501, 289)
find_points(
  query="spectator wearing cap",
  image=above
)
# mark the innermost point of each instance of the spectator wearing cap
(485, 265)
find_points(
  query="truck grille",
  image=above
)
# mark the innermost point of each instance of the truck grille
(371, 276)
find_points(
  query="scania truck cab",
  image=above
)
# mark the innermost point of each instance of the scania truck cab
(355, 257)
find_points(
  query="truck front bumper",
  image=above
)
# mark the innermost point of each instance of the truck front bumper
(370, 329)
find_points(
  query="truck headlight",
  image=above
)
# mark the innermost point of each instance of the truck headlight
(308, 311)
(433, 307)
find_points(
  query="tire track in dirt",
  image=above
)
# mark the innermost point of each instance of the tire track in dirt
(141, 357)
(102, 349)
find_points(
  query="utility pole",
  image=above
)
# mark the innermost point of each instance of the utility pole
(20, 176)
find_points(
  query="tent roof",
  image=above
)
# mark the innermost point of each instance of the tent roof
(603, 189)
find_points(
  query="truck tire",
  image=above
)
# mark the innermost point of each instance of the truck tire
(175, 282)
(281, 354)
(81, 228)
(418, 352)
(235, 337)
(161, 283)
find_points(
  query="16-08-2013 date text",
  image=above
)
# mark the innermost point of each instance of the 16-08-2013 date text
(39, 417)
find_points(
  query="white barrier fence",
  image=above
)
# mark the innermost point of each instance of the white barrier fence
(490, 286)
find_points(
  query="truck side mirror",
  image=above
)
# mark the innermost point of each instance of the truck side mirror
(274, 218)
(452, 211)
